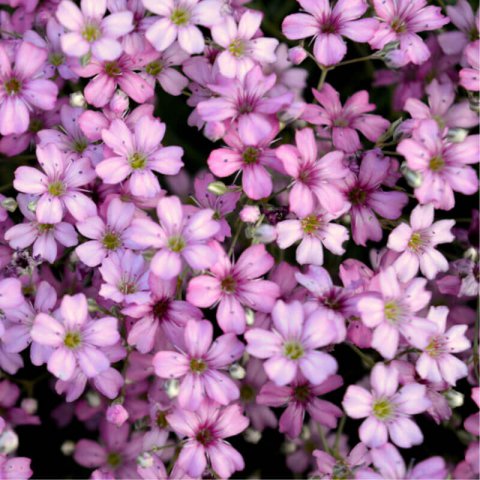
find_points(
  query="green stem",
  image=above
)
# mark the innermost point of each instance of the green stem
(5, 187)
(357, 60)
(321, 433)
(369, 362)
(323, 76)
(389, 152)
(341, 425)
(238, 231)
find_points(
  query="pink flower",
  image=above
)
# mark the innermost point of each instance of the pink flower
(401, 20)
(442, 165)
(367, 198)
(206, 430)
(315, 179)
(58, 189)
(137, 155)
(470, 76)
(387, 410)
(437, 362)
(178, 238)
(178, 19)
(76, 339)
(301, 397)
(329, 466)
(394, 313)
(327, 25)
(250, 214)
(315, 232)
(17, 468)
(292, 345)
(416, 244)
(198, 365)
(241, 50)
(117, 415)
(344, 121)
(106, 236)
(22, 88)
(235, 286)
(89, 31)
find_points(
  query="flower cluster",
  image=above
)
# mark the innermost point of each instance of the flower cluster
(195, 246)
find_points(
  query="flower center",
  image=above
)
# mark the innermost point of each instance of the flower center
(382, 409)
(198, 365)
(56, 59)
(293, 350)
(357, 196)
(80, 145)
(127, 287)
(72, 340)
(237, 48)
(301, 393)
(205, 437)
(114, 459)
(176, 244)
(247, 393)
(436, 347)
(138, 161)
(111, 241)
(228, 284)
(12, 86)
(91, 32)
(310, 224)
(154, 68)
(56, 189)
(416, 242)
(45, 227)
(329, 27)
(341, 122)
(250, 155)
(398, 25)
(436, 164)
(391, 311)
(161, 419)
(160, 309)
(35, 125)
(180, 16)
(112, 69)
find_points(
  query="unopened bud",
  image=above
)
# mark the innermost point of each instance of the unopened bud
(288, 447)
(454, 398)
(117, 414)
(77, 99)
(8, 442)
(413, 178)
(250, 213)
(67, 448)
(457, 135)
(172, 387)
(10, 204)
(93, 399)
(264, 234)
(29, 405)
(306, 433)
(119, 103)
(471, 254)
(237, 371)
(252, 436)
(32, 206)
(217, 188)
(249, 316)
(145, 460)
(297, 55)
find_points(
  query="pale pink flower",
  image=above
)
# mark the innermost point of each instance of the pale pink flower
(234, 286)
(470, 76)
(58, 189)
(327, 25)
(206, 430)
(136, 155)
(344, 121)
(22, 88)
(199, 363)
(242, 48)
(90, 32)
(315, 178)
(394, 311)
(416, 244)
(250, 214)
(76, 339)
(178, 238)
(329, 467)
(387, 410)
(178, 20)
(292, 344)
(437, 362)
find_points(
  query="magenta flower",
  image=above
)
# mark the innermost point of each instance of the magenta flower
(387, 410)
(178, 19)
(292, 344)
(58, 189)
(301, 397)
(416, 244)
(77, 340)
(137, 155)
(178, 238)
(315, 232)
(437, 362)
(22, 88)
(367, 198)
(106, 236)
(242, 48)
(395, 312)
(469, 76)
(206, 430)
(199, 363)
(401, 20)
(315, 179)
(234, 286)
(344, 121)
(17, 468)
(328, 25)
(89, 31)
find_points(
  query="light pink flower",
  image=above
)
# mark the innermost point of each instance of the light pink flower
(77, 340)
(327, 25)
(58, 189)
(234, 286)
(437, 362)
(199, 363)
(22, 88)
(387, 410)
(89, 31)
(470, 76)
(178, 238)
(17, 468)
(206, 430)
(178, 19)
(328, 466)
(395, 312)
(416, 244)
(315, 178)
(136, 155)
(292, 344)
(241, 50)
(344, 121)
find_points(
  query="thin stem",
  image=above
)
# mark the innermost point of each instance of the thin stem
(369, 362)
(338, 434)
(389, 152)
(321, 433)
(238, 231)
(357, 60)
(5, 187)
(323, 76)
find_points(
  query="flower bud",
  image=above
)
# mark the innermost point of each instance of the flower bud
(119, 102)
(252, 436)
(413, 178)
(237, 371)
(77, 99)
(32, 206)
(8, 442)
(67, 448)
(93, 399)
(172, 387)
(10, 204)
(454, 398)
(217, 188)
(117, 415)
(297, 55)
(249, 316)
(457, 135)
(145, 460)
(471, 253)
(264, 234)
(249, 213)
(29, 405)
(288, 447)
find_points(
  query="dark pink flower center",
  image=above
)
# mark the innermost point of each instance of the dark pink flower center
(160, 308)
(228, 284)
(12, 86)
(205, 437)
